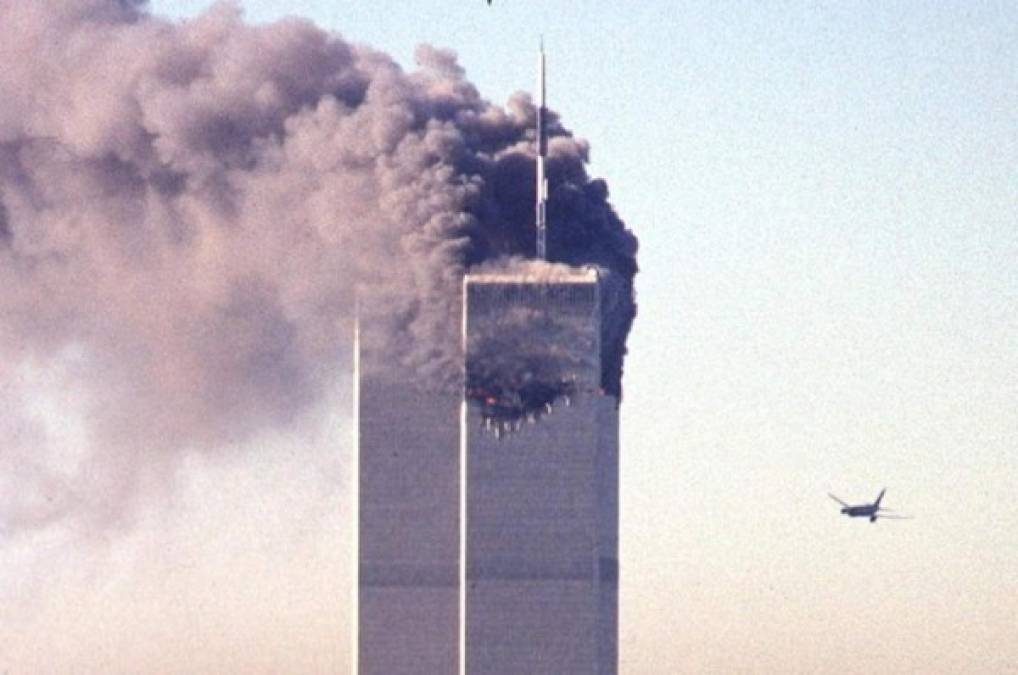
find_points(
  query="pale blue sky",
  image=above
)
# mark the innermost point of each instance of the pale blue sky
(827, 203)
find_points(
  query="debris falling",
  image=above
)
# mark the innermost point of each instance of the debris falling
(188, 208)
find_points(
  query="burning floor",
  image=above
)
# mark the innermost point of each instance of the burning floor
(526, 354)
(504, 409)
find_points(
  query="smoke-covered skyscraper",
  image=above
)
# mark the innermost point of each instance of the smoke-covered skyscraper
(488, 499)
(540, 462)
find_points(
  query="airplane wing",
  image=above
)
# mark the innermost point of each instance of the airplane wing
(836, 499)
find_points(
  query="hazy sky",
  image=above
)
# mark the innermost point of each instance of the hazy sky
(827, 204)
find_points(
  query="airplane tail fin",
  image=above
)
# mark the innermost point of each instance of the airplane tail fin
(879, 497)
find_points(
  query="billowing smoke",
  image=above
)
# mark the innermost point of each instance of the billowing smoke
(188, 209)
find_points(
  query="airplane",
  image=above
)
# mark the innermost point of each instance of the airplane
(871, 511)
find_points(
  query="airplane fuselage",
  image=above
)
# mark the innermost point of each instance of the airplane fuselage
(860, 511)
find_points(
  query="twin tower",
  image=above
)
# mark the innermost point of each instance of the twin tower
(487, 517)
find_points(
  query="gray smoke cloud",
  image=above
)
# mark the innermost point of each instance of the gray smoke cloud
(187, 211)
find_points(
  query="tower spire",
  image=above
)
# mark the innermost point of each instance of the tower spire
(541, 216)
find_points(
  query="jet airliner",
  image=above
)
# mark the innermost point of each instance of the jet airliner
(871, 511)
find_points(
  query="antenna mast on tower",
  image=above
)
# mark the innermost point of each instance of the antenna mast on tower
(542, 150)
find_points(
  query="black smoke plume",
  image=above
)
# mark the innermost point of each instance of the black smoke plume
(187, 210)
